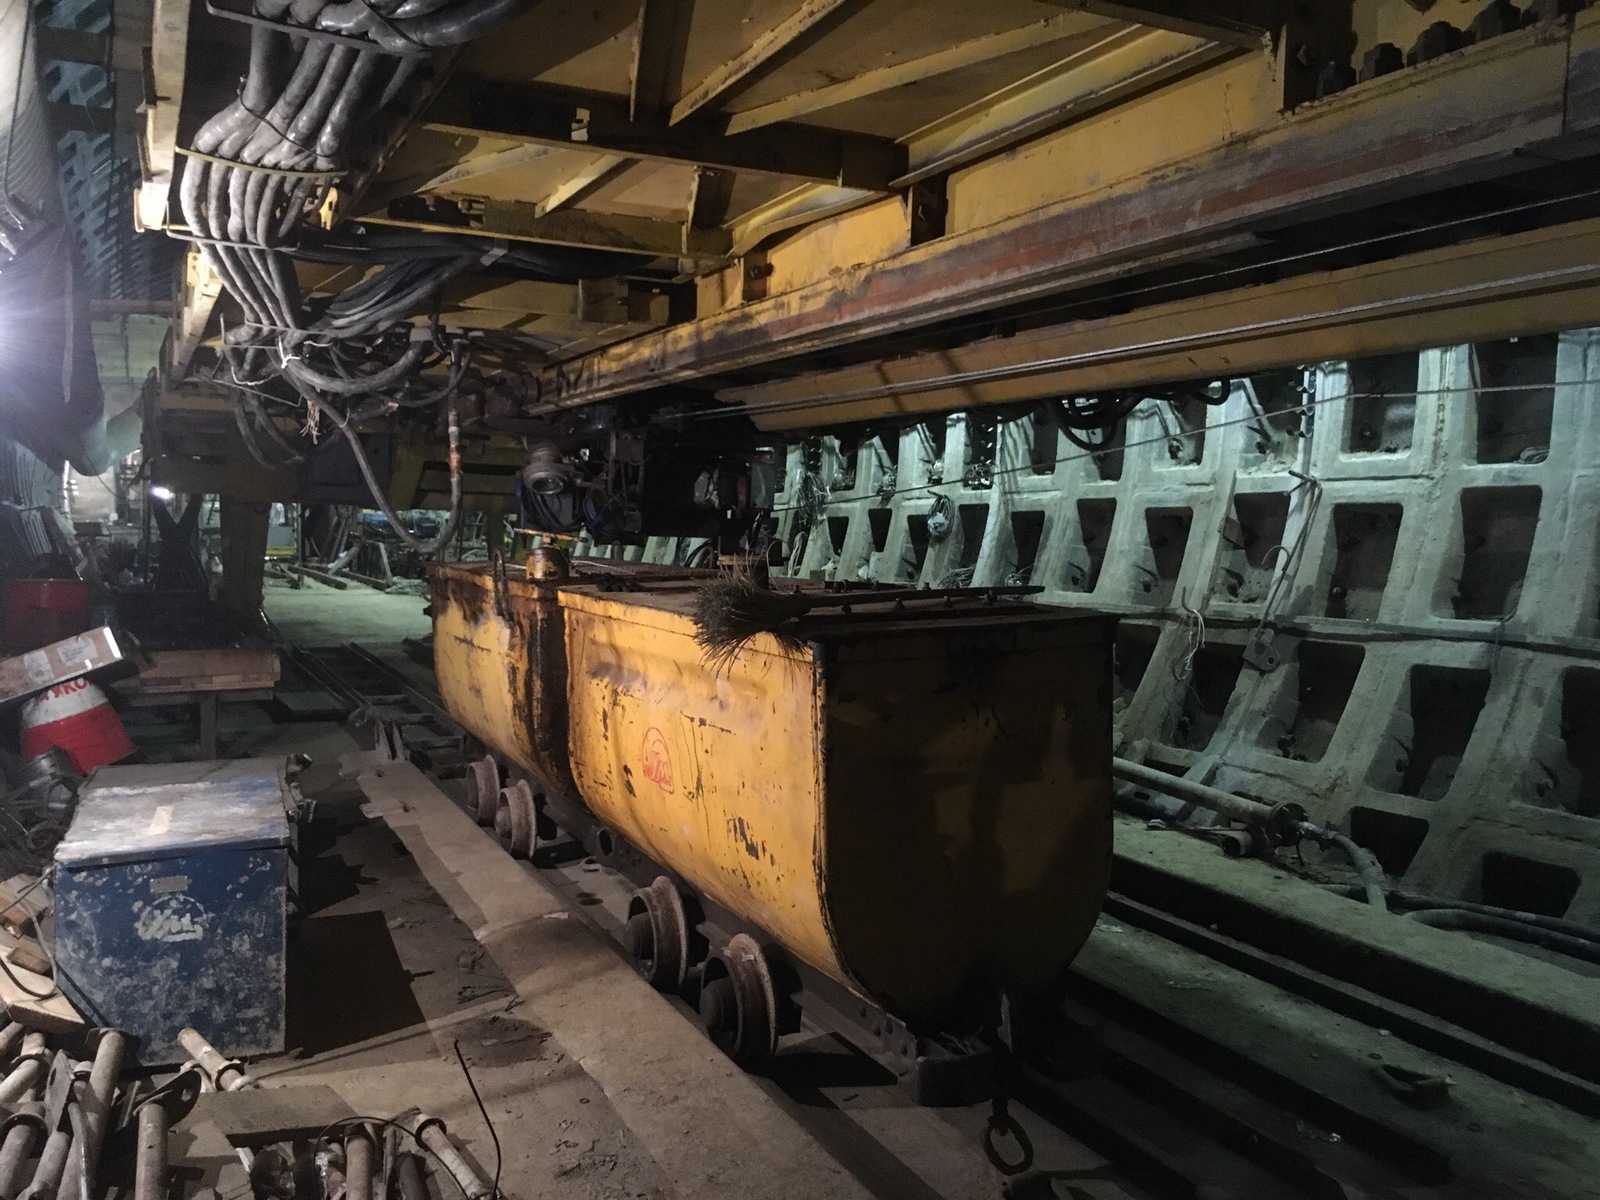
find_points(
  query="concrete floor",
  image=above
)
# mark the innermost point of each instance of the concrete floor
(318, 615)
(384, 980)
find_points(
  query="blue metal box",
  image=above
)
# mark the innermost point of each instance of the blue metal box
(170, 891)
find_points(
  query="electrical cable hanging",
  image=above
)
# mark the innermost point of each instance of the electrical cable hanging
(252, 175)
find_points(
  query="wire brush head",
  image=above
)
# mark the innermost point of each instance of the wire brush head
(732, 609)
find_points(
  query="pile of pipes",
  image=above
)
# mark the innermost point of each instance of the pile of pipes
(76, 1127)
(60, 1109)
(346, 1158)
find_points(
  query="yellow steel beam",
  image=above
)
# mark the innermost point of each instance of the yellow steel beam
(1243, 23)
(1111, 69)
(1495, 288)
(475, 167)
(169, 48)
(782, 39)
(519, 221)
(478, 108)
(200, 291)
(660, 39)
(929, 66)
(806, 203)
(583, 182)
(1495, 108)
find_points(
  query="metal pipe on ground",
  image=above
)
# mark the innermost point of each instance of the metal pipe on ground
(29, 1072)
(409, 1178)
(150, 1161)
(226, 1075)
(1281, 823)
(430, 1131)
(223, 1074)
(96, 1100)
(47, 1175)
(358, 1159)
(24, 1130)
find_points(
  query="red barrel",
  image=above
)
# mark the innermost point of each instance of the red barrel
(36, 612)
(75, 717)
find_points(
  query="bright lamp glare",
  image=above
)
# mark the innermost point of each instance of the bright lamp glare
(161, 493)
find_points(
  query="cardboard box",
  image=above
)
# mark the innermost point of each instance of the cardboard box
(58, 662)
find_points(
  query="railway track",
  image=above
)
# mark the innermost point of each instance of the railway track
(1182, 1060)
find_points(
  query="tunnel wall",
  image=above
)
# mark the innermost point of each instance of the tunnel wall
(1372, 588)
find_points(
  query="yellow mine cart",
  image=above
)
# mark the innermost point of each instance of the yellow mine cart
(912, 796)
(915, 800)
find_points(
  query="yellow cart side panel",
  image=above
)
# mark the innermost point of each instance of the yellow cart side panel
(716, 775)
(968, 839)
(501, 665)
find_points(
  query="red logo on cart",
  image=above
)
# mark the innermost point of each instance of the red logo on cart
(657, 759)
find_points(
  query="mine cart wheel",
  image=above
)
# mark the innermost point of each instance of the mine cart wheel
(737, 1003)
(483, 789)
(658, 935)
(513, 821)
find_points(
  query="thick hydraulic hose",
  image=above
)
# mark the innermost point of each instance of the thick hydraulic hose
(1256, 814)
(1533, 935)
(405, 535)
(360, 384)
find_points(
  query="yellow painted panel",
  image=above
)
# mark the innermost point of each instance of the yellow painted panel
(714, 775)
(500, 664)
(819, 251)
(919, 807)
(1177, 122)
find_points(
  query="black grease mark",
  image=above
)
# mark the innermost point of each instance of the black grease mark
(742, 832)
(627, 779)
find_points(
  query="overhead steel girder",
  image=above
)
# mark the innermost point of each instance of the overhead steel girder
(1495, 288)
(1117, 67)
(518, 220)
(1306, 37)
(474, 107)
(1468, 116)
(955, 58)
(781, 41)
(1238, 22)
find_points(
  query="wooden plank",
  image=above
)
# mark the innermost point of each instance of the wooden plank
(35, 902)
(259, 1116)
(34, 1001)
(783, 38)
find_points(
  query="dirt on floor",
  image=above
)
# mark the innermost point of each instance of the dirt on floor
(385, 983)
